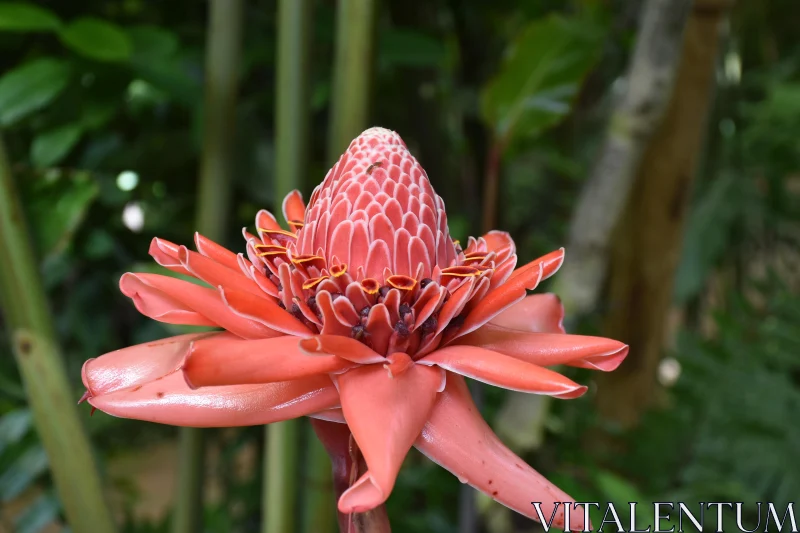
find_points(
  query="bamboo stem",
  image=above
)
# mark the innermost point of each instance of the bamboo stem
(352, 73)
(280, 474)
(320, 503)
(42, 368)
(281, 466)
(292, 95)
(221, 82)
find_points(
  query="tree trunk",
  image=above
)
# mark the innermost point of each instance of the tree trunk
(648, 239)
(634, 120)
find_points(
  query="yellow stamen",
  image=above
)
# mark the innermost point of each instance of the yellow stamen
(313, 282)
(338, 270)
(370, 286)
(460, 271)
(277, 232)
(399, 281)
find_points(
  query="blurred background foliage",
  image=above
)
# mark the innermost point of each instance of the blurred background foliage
(101, 105)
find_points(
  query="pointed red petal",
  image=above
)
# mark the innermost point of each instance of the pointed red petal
(503, 371)
(214, 362)
(216, 274)
(546, 349)
(171, 401)
(158, 305)
(146, 290)
(504, 296)
(536, 313)
(165, 254)
(294, 210)
(215, 252)
(139, 364)
(385, 415)
(254, 307)
(458, 439)
(344, 347)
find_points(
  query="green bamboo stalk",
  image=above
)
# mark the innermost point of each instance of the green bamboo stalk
(352, 73)
(280, 478)
(295, 18)
(42, 368)
(223, 38)
(281, 467)
(320, 504)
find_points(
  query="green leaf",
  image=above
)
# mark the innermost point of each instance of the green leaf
(57, 207)
(540, 77)
(97, 39)
(13, 426)
(52, 146)
(22, 473)
(38, 515)
(152, 42)
(31, 87)
(21, 17)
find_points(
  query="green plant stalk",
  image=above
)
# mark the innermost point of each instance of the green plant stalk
(320, 503)
(280, 477)
(281, 465)
(221, 83)
(295, 19)
(42, 368)
(352, 73)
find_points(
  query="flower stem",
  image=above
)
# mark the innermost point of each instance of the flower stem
(42, 368)
(348, 465)
(221, 82)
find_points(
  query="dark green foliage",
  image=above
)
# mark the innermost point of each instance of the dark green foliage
(92, 89)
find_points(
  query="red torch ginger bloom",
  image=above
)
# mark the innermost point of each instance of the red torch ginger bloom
(364, 312)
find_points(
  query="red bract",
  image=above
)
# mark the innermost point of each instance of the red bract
(366, 312)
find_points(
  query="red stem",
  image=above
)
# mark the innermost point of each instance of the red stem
(348, 465)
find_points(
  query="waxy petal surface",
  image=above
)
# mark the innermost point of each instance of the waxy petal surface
(252, 306)
(385, 415)
(139, 364)
(457, 438)
(503, 371)
(536, 313)
(171, 401)
(147, 289)
(225, 362)
(546, 349)
(344, 347)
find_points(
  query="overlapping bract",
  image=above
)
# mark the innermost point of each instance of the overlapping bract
(366, 312)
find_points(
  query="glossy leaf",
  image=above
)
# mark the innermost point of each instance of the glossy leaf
(540, 77)
(97, 39)
(30, 87)
(22, 17)
(50, 147)
(57, 209)
(38, 515)
(13, 426)
(22, 472)
(152, 42)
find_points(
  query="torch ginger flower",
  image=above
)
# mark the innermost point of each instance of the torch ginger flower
(364, 312)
